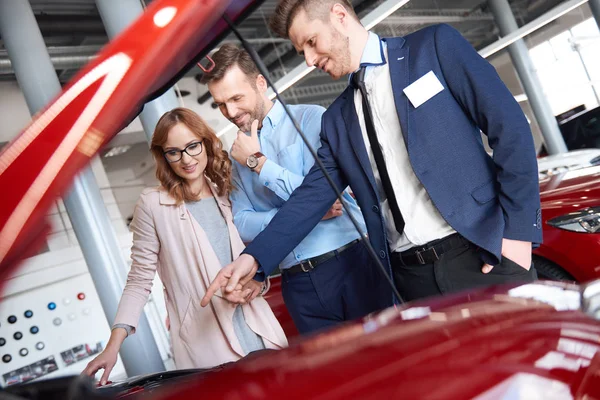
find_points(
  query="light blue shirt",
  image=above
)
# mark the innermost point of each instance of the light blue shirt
(256, 197)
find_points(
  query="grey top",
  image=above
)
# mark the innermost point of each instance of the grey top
(206, 212)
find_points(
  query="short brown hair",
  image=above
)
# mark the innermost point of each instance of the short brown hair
(287, 10)
(228, 56)
(218, 167)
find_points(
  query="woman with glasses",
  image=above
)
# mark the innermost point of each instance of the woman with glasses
(184, 231)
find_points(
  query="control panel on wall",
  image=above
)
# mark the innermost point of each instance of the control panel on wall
(52, 331)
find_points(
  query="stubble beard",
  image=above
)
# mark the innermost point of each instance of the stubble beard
(341, 52)
(257, 113)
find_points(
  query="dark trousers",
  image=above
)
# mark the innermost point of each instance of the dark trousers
(345, 287)
(456, 270)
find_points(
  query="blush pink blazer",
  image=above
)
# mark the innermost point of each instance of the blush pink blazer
(168, 240)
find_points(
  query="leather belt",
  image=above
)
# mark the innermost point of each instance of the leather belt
(311, 263)
(430, 252)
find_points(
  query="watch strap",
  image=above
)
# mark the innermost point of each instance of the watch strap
(256, 157)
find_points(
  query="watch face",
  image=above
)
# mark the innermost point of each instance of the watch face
(252, 161)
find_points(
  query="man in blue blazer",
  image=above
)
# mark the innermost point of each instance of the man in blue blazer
(441, 214)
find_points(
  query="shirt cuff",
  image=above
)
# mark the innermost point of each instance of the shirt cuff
(269, 173)
(128, 328)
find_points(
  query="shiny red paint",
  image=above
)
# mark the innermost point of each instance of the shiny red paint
(41, 162)
(577, 253)
(491, 343)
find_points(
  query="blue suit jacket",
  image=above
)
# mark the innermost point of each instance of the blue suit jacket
(482, 198)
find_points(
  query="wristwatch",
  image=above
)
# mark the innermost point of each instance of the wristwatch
(252, 160)
(264, 287)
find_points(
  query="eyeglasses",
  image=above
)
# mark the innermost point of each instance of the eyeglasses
(192, 149)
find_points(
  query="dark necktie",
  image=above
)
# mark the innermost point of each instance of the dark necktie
(358, 80)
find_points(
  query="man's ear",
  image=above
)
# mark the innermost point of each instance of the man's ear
(261, 83)
(339, 14)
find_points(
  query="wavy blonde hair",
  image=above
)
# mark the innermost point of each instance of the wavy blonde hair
(218, 167)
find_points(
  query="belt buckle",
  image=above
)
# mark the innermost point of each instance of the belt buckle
(435, 254)
(309, 263)
(420, 256)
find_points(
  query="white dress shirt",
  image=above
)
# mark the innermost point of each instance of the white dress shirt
(423, 222)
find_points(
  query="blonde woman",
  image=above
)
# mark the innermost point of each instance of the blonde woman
(184, 231)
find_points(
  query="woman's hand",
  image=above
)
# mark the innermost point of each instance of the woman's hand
(108, 358)
(105, 360)
(231, 278)
(243, 294)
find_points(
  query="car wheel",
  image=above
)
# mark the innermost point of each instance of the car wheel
(548, 270)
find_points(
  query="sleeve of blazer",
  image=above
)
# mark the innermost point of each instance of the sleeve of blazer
(475, 84)
(299, 215)
(144, 256)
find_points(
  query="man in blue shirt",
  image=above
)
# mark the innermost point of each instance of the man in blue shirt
(328, 277)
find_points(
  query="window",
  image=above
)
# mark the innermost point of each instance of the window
(567, 66)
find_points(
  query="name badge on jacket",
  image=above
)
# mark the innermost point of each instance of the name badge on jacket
(423, 89)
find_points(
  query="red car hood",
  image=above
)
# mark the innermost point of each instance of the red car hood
(486, 344)
(571, 190)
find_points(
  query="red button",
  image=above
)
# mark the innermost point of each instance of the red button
(81, 296)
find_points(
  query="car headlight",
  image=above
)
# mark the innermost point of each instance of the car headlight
(586, 221)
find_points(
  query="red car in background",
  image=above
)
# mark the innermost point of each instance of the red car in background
(571, 225)
(538, 340)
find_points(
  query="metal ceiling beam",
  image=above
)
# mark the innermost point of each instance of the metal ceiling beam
(63, 57)
(328, 89)
(436, 17)
(75, 57)
(60, 25)
(531, 27)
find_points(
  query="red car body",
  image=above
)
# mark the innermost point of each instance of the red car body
(533, 339)
(576, 252)
(492, 343)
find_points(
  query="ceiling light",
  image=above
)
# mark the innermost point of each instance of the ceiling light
(117, 150)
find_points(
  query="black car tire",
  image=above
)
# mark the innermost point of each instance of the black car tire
(546, 269)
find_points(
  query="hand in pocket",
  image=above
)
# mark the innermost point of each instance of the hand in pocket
(515, 250)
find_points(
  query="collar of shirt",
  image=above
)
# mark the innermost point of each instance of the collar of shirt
(274, 116)
(373, 54)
